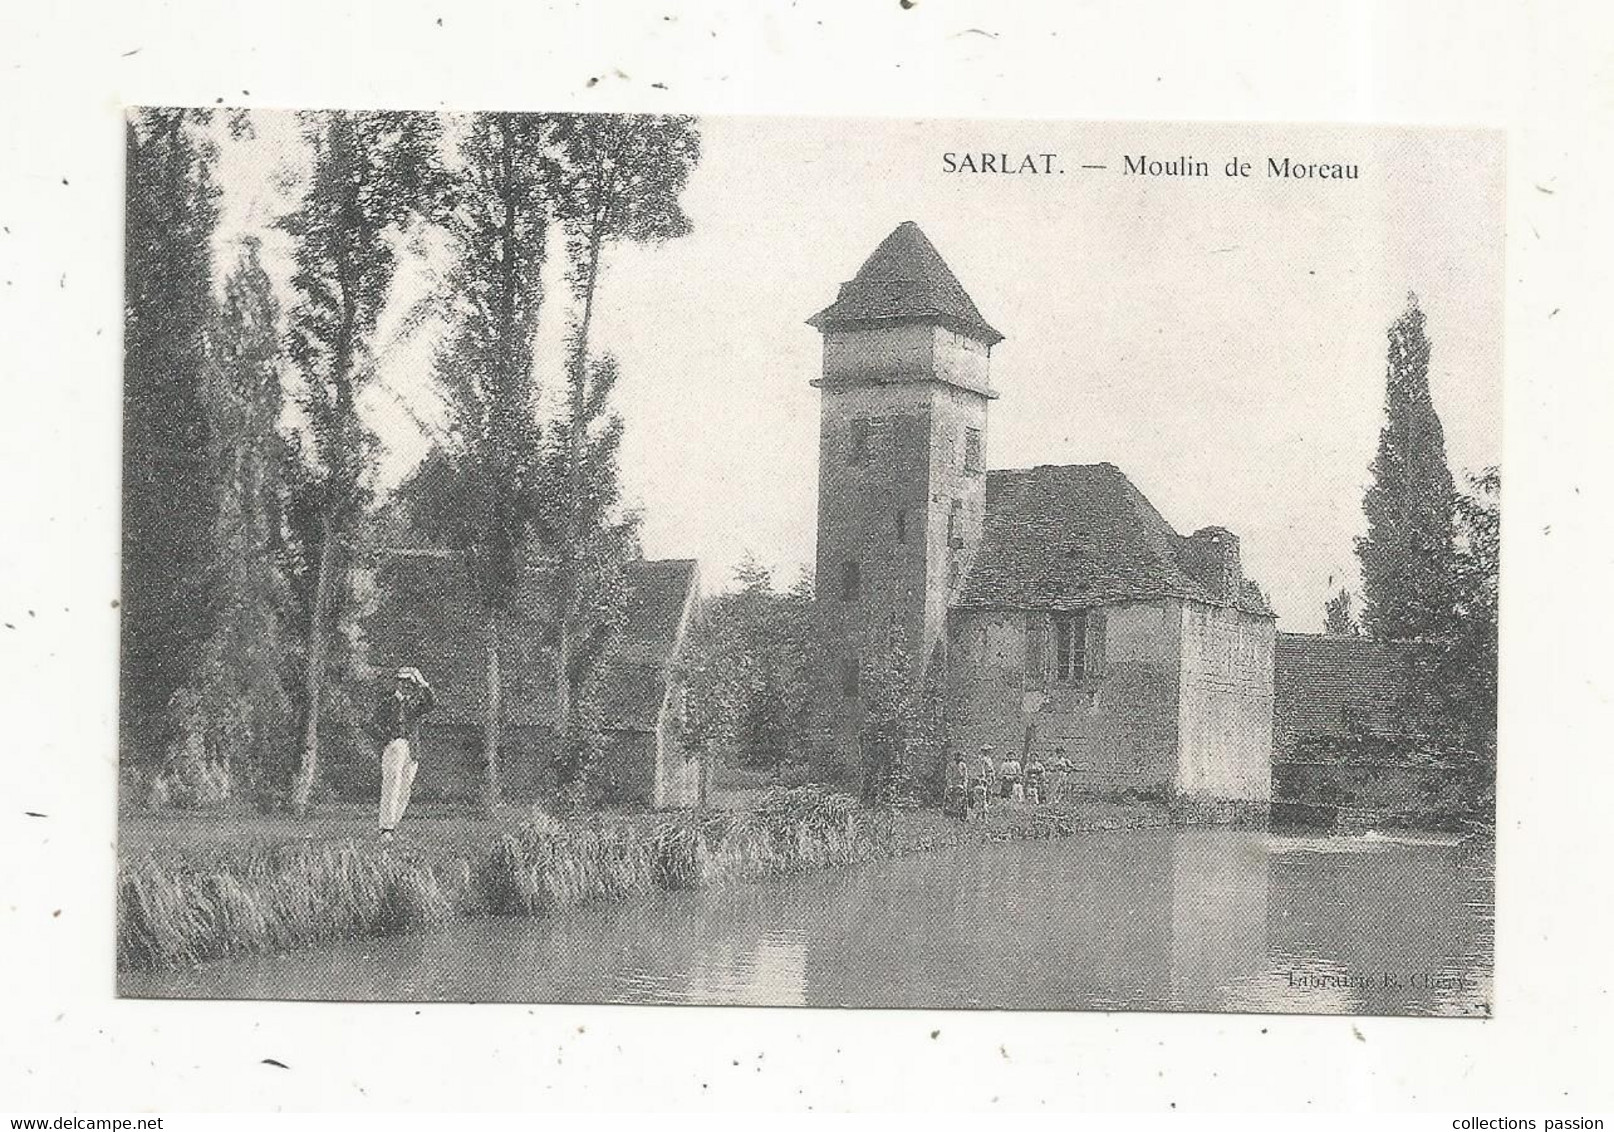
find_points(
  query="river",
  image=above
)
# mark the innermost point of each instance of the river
(1172, 919)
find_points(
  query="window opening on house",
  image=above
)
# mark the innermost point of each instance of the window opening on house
(1036, 649)
(1070, 645)
(972, 449)
(902, 526)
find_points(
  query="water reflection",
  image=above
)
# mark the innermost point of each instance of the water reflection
(1158, 919)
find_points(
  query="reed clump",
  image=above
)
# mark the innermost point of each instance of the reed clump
(265, 898)
(542, 869)
(548, 867)
(237, 899)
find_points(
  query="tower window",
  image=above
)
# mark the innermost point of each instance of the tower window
(972, 450)
(857, 451)
(955, 524)
(849, 677)
(851, 581)
(902, 526)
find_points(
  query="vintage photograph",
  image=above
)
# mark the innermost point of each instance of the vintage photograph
(611, 558)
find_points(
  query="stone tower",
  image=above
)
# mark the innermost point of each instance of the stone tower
(901, 472)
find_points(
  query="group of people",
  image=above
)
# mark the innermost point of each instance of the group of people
(1010, 779)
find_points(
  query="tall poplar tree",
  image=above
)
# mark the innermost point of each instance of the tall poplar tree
(374, 174)
(487, 482)
(168, 503)
(242, 684)
(1407, 553)
(624, 177)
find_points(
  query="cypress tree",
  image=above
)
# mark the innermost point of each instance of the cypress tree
(243, 682)
(1407, 553)
(168, 493)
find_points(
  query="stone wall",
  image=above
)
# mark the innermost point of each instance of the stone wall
(679, 779)
(452, 766)
(898, 500)
(628, 773)
(1225, 704)
(912, 351)
(1392, 787)
(1117, 728)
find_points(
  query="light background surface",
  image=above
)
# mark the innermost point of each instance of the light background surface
(1220, 339)
(1544, 76)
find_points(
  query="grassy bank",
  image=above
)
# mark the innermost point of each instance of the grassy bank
(184, 902)
(273, 899)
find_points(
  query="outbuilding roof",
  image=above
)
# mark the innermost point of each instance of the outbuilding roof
(905, 280)
(1081, 535)
(428, 617)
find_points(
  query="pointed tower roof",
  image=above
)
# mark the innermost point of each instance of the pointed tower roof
(905, 280)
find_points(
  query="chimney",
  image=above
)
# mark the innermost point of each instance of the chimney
(1212, 555)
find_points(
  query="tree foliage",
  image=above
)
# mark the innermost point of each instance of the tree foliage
(903, 734)
(168, 498)
(486, 484)
(241, 539)
(1454, 675)
(1407, 552)
(750, 670)
(1338, 617)
(374, 173)
(1429, 573)
(623, 176)
(241, 691)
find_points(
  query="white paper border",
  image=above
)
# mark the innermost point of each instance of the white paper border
(1542, 72)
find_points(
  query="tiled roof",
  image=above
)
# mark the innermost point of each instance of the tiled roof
(653, 611)
(427, 617)
(1080, 535)
(905, 280)
(1316, 677)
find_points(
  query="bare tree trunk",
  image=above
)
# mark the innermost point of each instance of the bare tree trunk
(563, 695)
(490, 721)
(324, 588)
(314, 681)
(567, 566)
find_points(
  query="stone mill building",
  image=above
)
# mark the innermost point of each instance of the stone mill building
(1055, 612)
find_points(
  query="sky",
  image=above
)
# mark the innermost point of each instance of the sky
(1220, 339)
